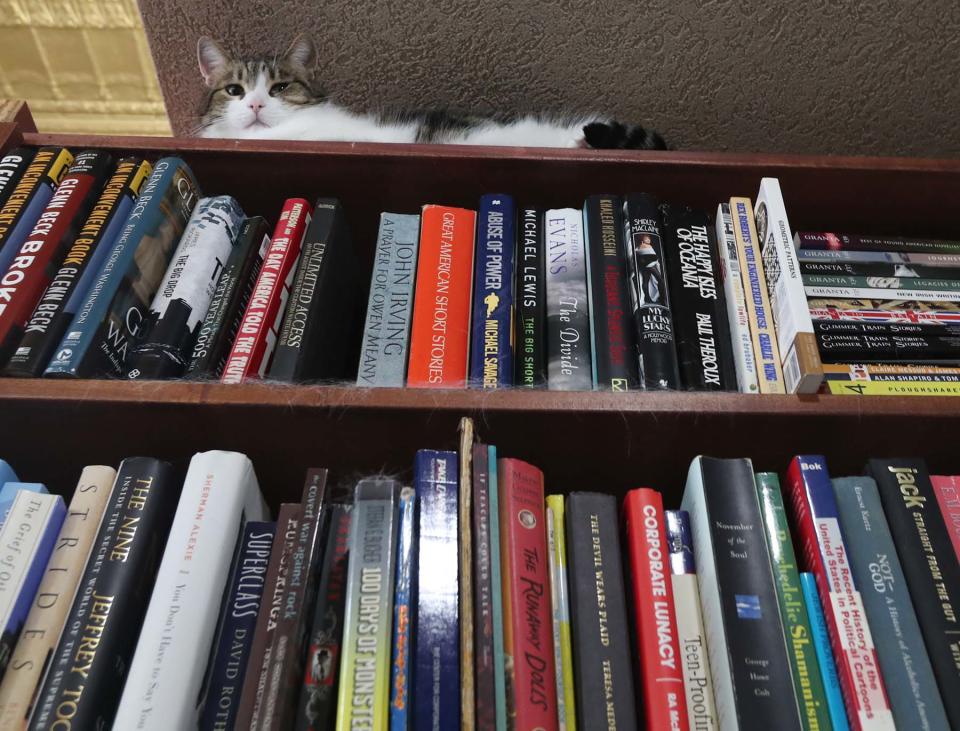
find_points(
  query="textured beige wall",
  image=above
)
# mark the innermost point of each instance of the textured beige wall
(830, 76)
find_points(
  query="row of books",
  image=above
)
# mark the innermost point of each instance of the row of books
(474, 600)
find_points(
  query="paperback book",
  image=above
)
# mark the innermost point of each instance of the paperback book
(531, 297)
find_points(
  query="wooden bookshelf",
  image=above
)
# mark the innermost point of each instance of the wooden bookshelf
(600, 441)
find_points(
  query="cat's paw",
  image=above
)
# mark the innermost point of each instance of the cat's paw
(615, 136)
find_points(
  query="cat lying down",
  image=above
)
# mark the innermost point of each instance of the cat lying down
(280, 98)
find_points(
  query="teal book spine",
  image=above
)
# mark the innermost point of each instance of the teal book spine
(499, 676)
(821, 643)
(907, 673)
(400, 670)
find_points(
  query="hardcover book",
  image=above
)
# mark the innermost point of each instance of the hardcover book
(930, 566)
(82, 263)
(799, 359)
(230, 298)
(907, 674)
(530, 295)
(39, 256)
(468, 717)
(737, 319)
(824, 553)
(649, 296)
(569, 363)
(320, 335)
(400, 667)
(482, 591)
(853, 242)
(386, 333)
(89, 668)
(611, 324)
(166, 675)
(107, 322)
(704, 349)
(753, 687)
(948, 498)
(257, 336)
(440, 336)
(655, 624)
(170, 328)
(12, 167)
(821, 643)
(560, 601)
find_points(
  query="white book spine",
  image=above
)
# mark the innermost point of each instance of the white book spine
(219, 494)
(882, 293)
(697, 680)
(746, 364)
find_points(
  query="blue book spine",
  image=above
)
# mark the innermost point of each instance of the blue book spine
(491, 356)
(496, 583)
(8, 493)
(436, 677)
(6, 474)
(400, 668)
(821, 644)
(21, 230)
(228, 664)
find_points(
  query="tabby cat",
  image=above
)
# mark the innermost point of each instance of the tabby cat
(279, 98)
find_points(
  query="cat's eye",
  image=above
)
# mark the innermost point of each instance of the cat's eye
(234, 89)
(278, 88)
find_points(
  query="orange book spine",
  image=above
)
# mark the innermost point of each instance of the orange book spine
(440, 336)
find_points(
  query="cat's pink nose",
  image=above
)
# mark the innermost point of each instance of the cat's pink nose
(256, 106)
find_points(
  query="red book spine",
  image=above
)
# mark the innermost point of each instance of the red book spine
(440, 335)
(948, 498)
(527, 612)
(257, 336)
(658, 647)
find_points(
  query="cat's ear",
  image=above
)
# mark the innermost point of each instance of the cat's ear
(302, 53)
(212, 60)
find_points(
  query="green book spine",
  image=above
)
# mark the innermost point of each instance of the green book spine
(499, 676)
(807, 682)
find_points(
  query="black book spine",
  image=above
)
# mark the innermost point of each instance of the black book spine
(483, 653)
(930, 566)
(890, 329)
(602, 668)
(12, 167)
(649, 294)
(696, 295)
(530, 343)
(610, 307)
(222, 321)
(884, 346)
(86, 677)
(320, 335)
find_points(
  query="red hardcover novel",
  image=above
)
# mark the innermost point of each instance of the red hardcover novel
(658, 647)
(947, 490)
(440, 334)
(257, 337)
(527, 612)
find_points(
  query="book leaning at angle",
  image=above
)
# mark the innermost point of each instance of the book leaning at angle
(48, 614)
(219, 494)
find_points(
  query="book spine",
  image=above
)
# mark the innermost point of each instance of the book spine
(386, 334)
(9, 493)
(468, 714)
(483, 591)
(615, 348)
(881, 293)
(230, 298)
(893, 388)
(317, 706)
(948, 498)
(28, 199)
(83, 260)
(930, 567)
(699, 308)
(569, 364)
(496, 585)
(12, 167)
(889, 329)
(41, 253)
(530, 293)
(87, 674)
(799, 359)
(649, 296)
(402, 617)
(807, 685)
(560, 599)
(825, 555)
(849, 242)
(170, 329)
(48, 614)
(821, 643)
(528, 642)
(257, 336)
(436, 676)
(26, 542)
(440, 335)
(165, 677)
(289, 639)
(364, 691)
(258, 663)
(107, 322)
(655, 623)
(911, 685)
(737, 319)
(228, 665)
(691, 636)
(902, 283)
(861, 271)
(889, 259)
(491, 347)
(881, 311)
(846, 346)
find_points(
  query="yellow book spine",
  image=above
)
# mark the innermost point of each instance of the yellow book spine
(561, 613)
(893, 388)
